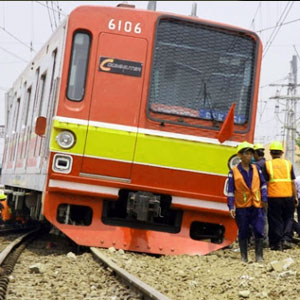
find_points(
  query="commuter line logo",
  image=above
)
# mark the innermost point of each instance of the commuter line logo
(125, 67)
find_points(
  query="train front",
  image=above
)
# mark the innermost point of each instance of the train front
(142, 139)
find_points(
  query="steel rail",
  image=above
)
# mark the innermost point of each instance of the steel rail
(6, 230)
(148, 291)
(15, 243)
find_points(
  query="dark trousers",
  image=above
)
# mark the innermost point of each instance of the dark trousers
(247, 216)
(280, 217)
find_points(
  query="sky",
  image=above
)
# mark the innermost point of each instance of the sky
(277, 23)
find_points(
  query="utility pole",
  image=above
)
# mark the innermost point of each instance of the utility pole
(291, 110)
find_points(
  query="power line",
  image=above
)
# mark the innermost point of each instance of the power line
(258, 8)
(13, 54)
(17, 39)
(49, 15)
(60, 11)
(282, 24)
(54, 15)
(58, 8)
(276, 29)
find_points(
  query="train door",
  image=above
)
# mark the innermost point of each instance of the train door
(115, 106)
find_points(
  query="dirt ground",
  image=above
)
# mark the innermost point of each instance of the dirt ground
(216, 276)
(219, 275)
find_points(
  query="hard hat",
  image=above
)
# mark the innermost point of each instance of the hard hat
(258, 146)
(2, 195)
(243, 146)
(276, 146)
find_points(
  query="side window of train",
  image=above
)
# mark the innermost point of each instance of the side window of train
(35, 92)
(41, 94)
(27, 105)
(78, 66)
(15, 126)
(16, 116)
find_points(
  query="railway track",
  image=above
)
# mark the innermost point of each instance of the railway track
(9, 256)
(146, 291)
(63, 275)
(17, 230)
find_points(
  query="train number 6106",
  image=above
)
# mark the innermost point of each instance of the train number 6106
(126, 26)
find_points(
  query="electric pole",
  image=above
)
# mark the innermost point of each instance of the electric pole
(290, 111)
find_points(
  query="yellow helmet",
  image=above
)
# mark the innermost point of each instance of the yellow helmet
(2, 195)
(258, 146)
(276, 146)
(244, 145)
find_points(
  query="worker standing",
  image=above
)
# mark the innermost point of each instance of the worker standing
(259, 156)
(282, 194)
(5, 210)
(247, 194)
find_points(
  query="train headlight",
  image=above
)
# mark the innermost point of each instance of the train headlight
(65, 139)
(233, 161)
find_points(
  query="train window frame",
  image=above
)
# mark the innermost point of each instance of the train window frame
(50, 103)
(71, 66)
(41, 94)
(26, 105)
(190, 120)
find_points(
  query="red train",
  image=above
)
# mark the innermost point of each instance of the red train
(118, 131)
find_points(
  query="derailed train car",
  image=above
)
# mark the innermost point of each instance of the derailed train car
(119, 130)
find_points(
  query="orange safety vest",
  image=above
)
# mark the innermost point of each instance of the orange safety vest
(6, 211)
(243, 196)
(280, 181)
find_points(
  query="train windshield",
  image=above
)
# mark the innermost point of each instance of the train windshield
(199, 71)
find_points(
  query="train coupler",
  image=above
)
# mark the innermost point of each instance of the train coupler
(144, 206)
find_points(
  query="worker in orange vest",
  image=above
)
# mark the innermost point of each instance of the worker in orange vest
(247, 195)
(5, 209)
(260, 161)
(282, 197)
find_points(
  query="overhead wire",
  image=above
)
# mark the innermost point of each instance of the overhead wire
(15, 55)
(17, 39)
(282, 24)
(256, 12)
(58, 11)
(49, 15)
(277, 28)
(54, 15)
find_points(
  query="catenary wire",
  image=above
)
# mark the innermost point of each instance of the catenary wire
(13, 55)
(17, 39)
(276, 29)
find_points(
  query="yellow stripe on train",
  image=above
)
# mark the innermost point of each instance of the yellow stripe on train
(116, 144)
(181, 154)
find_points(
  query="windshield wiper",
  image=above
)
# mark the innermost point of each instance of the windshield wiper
(207, 99)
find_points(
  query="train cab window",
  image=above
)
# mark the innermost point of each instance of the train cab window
(78, 66)
(198, 71)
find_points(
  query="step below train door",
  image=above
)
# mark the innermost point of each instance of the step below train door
(115, 107)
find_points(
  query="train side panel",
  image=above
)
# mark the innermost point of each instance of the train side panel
(26, 155)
